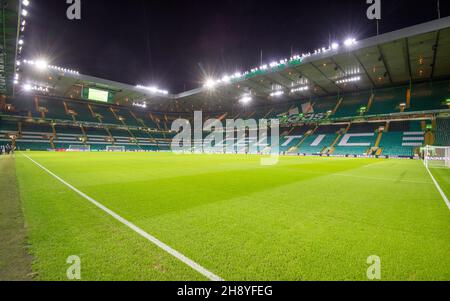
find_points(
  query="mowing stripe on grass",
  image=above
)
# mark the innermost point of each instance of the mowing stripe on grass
(437, 186)
(154, 240)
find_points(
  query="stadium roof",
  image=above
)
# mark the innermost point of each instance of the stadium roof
(416, 53)
(9, 33)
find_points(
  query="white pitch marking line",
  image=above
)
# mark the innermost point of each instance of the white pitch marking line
(437, 186)
(136, 229)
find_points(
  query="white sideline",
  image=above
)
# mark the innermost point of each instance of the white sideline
(437, 186)
(154, 240)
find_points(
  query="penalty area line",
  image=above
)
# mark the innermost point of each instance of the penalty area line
(437, 186)
(152, 239)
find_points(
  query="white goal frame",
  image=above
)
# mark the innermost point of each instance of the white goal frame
(79, 148)
(436, 156)
(115, 148)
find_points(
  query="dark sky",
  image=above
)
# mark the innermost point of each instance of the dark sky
(175, 44)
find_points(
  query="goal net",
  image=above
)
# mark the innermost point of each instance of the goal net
(115, 148)
(436, 156)
(79, 148)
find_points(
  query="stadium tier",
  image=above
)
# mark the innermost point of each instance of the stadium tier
(48, 123)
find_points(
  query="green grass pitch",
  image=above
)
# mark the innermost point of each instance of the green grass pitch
(303, 219)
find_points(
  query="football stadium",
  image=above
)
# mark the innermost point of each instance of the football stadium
(326, 164)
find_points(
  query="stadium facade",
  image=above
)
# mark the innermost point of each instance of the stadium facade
(386, 96)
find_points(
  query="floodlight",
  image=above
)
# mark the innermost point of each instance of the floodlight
(41, 64)
(26, 2)
(226, 79)
(277, 93)
(334, 46)
(24, 12)
(350, 42)
(245, 99)
(210, 84)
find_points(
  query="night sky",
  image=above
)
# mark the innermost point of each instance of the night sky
(176, 44)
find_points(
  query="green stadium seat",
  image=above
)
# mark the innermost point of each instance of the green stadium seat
(429, 96)
(314, 144)
(387, 101)
(55, 109)
(32, 145)
(106, 114)
(325, 104)
(351, 104)
(393, 144)
(8, 126)
(82, 110)
(37, 128)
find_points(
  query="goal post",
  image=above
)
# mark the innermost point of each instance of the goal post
(115, 148)
(436, 156)
(79, 148)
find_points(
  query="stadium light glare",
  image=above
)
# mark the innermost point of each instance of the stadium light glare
(153, 89)
(245, 99)
(27, 87)
(140, 105)
(273, 64)
(41, 64)
(300, 89)
(335, 46)
(350, 42)
(26, 2)
(277, 94)
(210, 84)
(21, 42)
(24, 12)
(349, 80)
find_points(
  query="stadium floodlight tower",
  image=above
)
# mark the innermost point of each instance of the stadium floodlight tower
(436, 156)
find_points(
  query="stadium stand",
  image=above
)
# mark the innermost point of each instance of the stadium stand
(105, 114)
(355, 144)
(316, 144)
(8, 127)
(387, 101)
(351, 104)
(429, 96)
(325, 104)
(366, 127)
(293, 138)
(43, 123)
(81, 110)
(392, 144)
